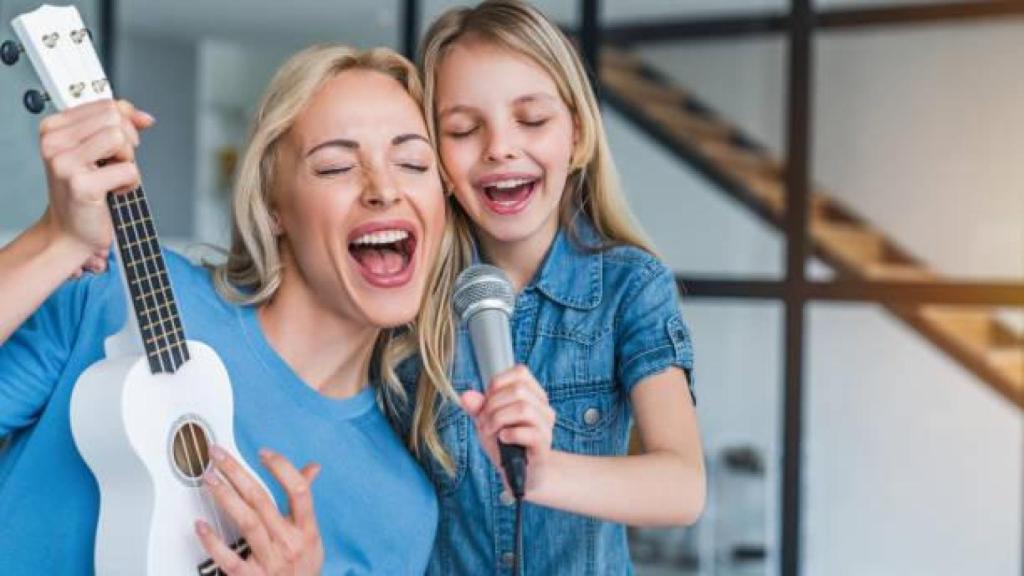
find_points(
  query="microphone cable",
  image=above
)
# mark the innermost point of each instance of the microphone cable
(513, 462)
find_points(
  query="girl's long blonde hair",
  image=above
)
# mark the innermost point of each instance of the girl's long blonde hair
(593, 185)
(252, 273)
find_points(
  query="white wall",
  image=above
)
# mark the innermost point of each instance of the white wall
(22, 188)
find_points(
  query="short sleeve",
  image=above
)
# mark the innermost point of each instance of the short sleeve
(651, 335)
(33, 358)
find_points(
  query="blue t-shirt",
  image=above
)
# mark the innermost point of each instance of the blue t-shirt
(376, 510)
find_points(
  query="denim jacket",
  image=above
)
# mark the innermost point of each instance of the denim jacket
(590, 326)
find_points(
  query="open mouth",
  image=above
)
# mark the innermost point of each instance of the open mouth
(510, 196)
(384, 255)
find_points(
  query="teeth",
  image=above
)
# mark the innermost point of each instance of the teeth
(382, 237)
(509, 184)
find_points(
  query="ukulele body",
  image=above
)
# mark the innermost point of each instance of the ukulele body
(145, 437)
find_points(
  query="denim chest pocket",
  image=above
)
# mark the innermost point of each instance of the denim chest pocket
(576, 368)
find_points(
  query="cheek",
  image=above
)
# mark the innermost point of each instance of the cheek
(556, 149)
(458, 157)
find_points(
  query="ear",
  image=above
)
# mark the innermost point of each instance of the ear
(275, 223)
(576, 161)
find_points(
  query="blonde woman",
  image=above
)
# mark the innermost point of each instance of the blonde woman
(339, 164)
(596, 327)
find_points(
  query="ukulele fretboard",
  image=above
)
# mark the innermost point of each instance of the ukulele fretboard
(148, 284)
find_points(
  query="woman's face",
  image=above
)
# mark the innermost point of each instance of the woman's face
(506, 138)
(359, 200)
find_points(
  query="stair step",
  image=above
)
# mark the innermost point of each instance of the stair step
(897, 272)
(734, 159)
(771, 192)
(854, 245)
(687, 127)
(1010, 362)
(620, 59)
(972, 327)
(640, 91)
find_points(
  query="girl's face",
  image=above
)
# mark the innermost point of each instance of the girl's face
(506, 139)
(359, 199)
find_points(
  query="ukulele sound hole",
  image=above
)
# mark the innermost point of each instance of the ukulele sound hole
(190, 450)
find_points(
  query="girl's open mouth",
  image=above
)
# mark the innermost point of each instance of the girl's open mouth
(509, 196)
(384, 254)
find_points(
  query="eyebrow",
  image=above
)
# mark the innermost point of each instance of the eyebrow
(336, 143)
(526, 98)
(353, 145)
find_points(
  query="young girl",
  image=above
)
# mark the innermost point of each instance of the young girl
(339, 164)
(596, 326)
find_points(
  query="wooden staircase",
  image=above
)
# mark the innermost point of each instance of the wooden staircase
(974, 336)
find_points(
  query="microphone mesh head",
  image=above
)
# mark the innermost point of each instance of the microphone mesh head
(482, 287)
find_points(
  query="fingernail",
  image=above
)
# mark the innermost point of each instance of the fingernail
(265, 454)
(202, 528)
(149, 117)
(211, 479)
(217, 453)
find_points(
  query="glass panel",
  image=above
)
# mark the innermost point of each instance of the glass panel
(917, 151)
(200, 69)
(23, 194)
(913, 463)
(708, 95)
(738, 405)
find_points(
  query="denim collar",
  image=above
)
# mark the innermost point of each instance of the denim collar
(571, 272)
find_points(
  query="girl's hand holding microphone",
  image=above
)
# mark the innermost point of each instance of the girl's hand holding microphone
(515, 410)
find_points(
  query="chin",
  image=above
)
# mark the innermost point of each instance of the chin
(390, 308)
(510, 232)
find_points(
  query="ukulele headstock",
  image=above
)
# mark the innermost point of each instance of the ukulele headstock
(61, 51)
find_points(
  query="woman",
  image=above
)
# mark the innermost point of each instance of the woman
(339, 216)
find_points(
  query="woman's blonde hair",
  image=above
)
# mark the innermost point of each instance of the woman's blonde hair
(252, 273)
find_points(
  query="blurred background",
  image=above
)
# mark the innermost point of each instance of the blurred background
(839, 185)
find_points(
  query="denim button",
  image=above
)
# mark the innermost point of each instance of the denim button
(507, 498)
(508, 558)
(591, 416)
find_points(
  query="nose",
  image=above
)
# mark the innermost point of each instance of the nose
(380, 190)
(501, 145)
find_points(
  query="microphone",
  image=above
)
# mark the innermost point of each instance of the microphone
(484, 300)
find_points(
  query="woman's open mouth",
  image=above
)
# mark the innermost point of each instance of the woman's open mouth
(510, 196)
(384, 253)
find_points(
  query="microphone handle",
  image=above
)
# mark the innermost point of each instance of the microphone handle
(492, 347)
(513, 461)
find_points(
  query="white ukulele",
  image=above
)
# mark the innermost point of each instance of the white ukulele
(145, 416)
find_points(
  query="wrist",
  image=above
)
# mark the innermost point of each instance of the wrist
(543, 478)
(63, 251)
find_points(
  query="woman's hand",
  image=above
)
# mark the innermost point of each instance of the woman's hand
(89, 151)
(514, 410)
(279, 545)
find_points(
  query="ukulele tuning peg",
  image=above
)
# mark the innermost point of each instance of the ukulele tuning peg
(10, 52)
(35, 101)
